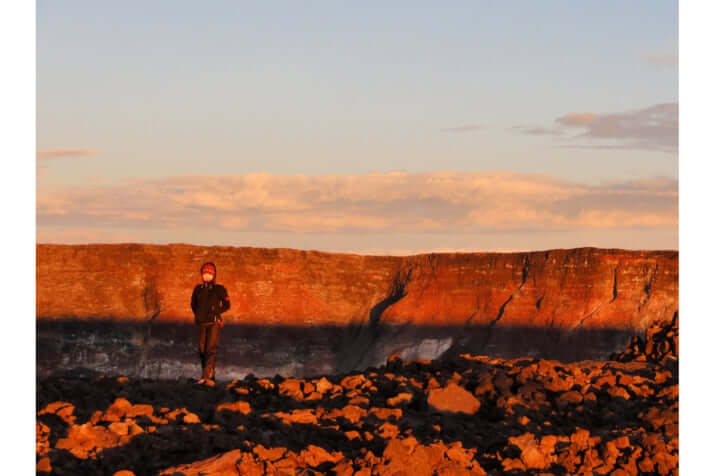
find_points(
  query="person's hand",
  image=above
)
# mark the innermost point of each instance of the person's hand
(220, 322)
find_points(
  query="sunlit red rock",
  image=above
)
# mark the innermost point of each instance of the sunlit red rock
(565, 289)
(237, 406)
(43, 465)
(221, 464)
(453, 399)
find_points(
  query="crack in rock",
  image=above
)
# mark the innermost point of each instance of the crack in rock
(524, 276)
(588, 316)
(614, 283)
(648, 287)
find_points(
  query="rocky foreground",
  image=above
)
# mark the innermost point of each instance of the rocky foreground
(468, 415)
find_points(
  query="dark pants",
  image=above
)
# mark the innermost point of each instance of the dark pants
(208, 337)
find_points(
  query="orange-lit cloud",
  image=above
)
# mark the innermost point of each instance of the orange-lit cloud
(577, 119)
(57, 153)
(453, 202)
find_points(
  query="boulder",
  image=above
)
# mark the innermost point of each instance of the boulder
(237, 406)
(224, 463)
(43, 465)
(271, 454)
(315, 456)
(399, 399)
(63, 410)
(453, 399)
(353, 381)
(292, 388)
(323, 385)
(569, 398)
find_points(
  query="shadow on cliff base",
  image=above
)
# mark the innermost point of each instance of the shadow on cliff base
(168, 350)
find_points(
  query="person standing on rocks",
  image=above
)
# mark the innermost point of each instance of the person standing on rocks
(208, 302)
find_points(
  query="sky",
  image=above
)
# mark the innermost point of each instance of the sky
(363, 127)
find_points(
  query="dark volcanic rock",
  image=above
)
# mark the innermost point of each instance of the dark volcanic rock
(661, 343)
(533, 416)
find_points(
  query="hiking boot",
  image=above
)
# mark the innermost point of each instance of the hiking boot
(210, 383)
(203, 380)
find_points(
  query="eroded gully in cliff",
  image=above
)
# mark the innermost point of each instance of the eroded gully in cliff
(489, 331)
(360, 341)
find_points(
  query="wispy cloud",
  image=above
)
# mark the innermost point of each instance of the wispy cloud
(58, 153)
(85, 235)
(452, 202)
(577, 119)
(466, 128)
(653, 128)
(537, 130)
(662, 60)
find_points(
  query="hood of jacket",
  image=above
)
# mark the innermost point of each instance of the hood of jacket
(215, 270)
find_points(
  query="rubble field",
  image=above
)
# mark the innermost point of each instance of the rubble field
(469, 415)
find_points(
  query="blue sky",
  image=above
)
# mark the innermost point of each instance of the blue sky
(480, 113)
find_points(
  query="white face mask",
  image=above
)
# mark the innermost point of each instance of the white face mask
(207, 277)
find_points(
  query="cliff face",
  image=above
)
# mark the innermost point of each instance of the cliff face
(125, 309)
(564, 289)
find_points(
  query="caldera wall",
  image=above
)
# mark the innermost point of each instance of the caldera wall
(373, 304)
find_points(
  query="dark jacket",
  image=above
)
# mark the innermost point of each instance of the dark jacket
(208, 301)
